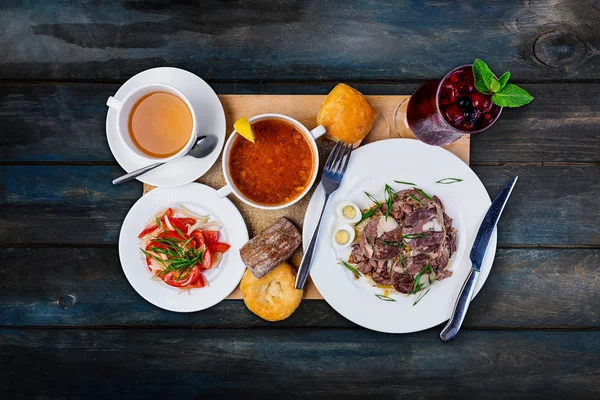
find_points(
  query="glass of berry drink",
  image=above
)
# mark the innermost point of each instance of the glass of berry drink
(442, 111)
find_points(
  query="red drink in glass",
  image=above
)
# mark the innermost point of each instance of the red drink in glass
(442, 111)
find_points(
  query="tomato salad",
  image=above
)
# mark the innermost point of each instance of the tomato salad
(180, 245)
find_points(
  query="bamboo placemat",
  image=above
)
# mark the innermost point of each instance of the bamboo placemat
(304, 108)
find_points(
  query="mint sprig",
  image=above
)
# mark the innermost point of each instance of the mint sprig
(503, 94)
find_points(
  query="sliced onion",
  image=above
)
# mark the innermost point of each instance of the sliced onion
(168, 223)
(188, 213)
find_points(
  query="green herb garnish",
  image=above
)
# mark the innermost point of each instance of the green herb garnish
(369, 213)
(416, 285)
(503, 94)
(448, 181)
(421, 295)
(158, 224)
(411, 236)
(422, 193)
(406, 183)
(415, 199)
(392, 243)
(389, 199)
(181, 257)
(351, 268)
(384, 298)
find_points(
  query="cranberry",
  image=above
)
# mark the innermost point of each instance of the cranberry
(487, 116)
(466, 126)
(481, 102)
(450, 93)
(471, 115)
(467, 87)
(444, 101)
(464, 102)
(454, 77)
(454, 114)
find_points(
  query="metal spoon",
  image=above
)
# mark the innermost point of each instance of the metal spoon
(203, 147)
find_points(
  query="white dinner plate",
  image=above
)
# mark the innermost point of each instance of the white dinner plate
(222, 279)
(370, 168)
(211, 121)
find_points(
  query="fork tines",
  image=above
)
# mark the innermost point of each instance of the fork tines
(339, 158)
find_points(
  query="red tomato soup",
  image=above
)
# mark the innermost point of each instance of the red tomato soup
(276, 168)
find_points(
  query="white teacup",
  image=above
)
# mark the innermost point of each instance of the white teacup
(310, 137)
(123, 108)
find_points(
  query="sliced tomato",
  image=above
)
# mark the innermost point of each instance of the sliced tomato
(211, 236)
(185, 221)
(147, 230)
(171, 277)
(207, 259)
(148, 248)
(200, 282)
(198, 238)
(218, 247)
(169, 212)
(173, 235)
(177, 224)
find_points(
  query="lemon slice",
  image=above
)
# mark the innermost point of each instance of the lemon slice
(242, 126)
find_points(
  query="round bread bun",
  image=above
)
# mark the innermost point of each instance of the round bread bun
(272, 297)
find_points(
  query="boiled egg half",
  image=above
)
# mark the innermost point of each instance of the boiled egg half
(343, 236)
(348, 212)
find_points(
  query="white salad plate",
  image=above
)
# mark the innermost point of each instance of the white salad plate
(222, 279)
(370, 168)
(210, 121)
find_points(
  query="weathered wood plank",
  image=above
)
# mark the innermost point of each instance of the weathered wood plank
(527, 288)
(66, 123)
(299, 363)
(314, 40)
(79, 205)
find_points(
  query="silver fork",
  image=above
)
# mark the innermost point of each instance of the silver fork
(332, 178)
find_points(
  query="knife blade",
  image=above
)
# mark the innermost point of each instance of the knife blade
(478, 251)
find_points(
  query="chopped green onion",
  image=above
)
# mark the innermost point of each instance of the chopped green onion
(368, 214)
(421, 295)
(351, 268)
(384, 298)
(406, 183)
(422, 193)
(389, 199)
(415, 199)
(373, 199)
(447, 181)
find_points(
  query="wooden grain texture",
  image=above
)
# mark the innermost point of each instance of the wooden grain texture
(553, 205)
(298, 40)
(66, 122)
(75, 287)
(299, 363)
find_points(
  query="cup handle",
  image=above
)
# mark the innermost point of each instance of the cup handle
(114, 103)
(318, 132)
(224, 191)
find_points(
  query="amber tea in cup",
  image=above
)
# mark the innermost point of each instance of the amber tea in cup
(160, 124)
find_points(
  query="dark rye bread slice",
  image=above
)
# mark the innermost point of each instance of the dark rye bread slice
(271, 247)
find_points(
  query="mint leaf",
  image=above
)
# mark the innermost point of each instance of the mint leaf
(485, 81)
(511, 96)
(503, 79)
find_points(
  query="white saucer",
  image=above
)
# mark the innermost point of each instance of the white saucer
(211, 121)
(222, 280)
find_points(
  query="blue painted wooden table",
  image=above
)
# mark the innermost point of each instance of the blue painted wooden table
(72, 327)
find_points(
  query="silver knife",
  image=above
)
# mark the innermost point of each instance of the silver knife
(477, 253)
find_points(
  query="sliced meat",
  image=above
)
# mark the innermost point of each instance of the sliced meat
(356, 255)
(383, 251)
(415, 264)
(368, 236)
(365, 267)
(427, 243)
(402, 282)
(381, 274)
(397, 209)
